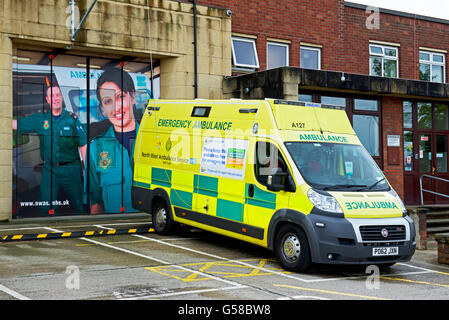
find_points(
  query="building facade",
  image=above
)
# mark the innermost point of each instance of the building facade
(47, 63)
(387, 68)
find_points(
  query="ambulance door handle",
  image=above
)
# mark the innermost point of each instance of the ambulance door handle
(206, 207)
(251, 191)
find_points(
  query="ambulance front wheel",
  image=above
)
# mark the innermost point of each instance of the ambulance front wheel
(292, 248)
(162, 221)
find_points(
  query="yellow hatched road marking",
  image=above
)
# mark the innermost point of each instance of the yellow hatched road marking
(205, 267)
(417, 281)
(17, 237)
(330, 292)
(66, 234)
(42, 235)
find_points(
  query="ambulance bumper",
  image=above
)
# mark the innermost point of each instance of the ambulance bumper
(361, 241)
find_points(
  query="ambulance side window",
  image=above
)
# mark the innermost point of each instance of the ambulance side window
(268, 160)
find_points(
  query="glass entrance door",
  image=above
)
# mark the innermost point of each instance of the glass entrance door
(432, 160)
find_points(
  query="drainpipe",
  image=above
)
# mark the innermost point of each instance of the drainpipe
(195, 47)
(72, 19)
(75, 31)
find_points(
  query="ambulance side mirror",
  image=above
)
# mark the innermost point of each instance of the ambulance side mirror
(280, 180)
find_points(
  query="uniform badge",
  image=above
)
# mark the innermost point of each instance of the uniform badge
(105, 160)
(46, 125)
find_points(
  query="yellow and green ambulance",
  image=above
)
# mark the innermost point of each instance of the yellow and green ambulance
(288, 176)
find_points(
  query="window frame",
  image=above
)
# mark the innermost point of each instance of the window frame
(280, 158)
(384, 57)
(351, 111)
(287, 53)
(431, 63)
(241, 65)
(318, 49)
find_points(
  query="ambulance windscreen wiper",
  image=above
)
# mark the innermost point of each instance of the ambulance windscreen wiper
(344, 186)
(375, 183)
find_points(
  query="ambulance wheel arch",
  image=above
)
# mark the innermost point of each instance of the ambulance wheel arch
(284, 217)
(161, 212)
(292, 248)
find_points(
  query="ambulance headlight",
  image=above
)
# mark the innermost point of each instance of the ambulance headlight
(404, 209)
(324, 202)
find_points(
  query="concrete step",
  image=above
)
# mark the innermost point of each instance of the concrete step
(437, 222)
(440, 229)
(439, 214)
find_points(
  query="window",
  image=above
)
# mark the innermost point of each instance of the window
(367, 129)
(407, 121)
(244, 53)
(432, 66)
(310, 58)
(383, 61)
(305, 97)
(364, 114)
(336, 166)
(424, 115)
(81, 117)
(333, 101)
(268, 160)
(277, 55)
(407, 114)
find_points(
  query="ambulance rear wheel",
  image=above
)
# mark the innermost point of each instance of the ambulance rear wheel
(292, 248)
(162, 221)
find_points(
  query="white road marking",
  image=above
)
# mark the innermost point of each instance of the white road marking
(13, 293)
(234, 284)
(182, 293)
(275, 272)
(302, 297)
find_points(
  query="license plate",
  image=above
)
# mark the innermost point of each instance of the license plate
(386, 251)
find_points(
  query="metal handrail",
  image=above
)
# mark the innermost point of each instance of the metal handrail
(433, 192)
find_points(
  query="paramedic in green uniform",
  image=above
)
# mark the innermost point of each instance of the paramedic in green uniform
(111, 152)
(62, 139)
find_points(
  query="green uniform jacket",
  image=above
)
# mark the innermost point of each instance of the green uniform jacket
(105, 173)
(68, 136)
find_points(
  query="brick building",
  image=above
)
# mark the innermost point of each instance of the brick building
(387, 68)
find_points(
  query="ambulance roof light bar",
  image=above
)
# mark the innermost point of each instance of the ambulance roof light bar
(306, 104)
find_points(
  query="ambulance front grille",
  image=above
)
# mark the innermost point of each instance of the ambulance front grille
(374, 233)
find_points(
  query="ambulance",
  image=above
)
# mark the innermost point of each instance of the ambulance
(288, 176)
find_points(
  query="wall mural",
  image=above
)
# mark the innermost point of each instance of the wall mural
(71, 155)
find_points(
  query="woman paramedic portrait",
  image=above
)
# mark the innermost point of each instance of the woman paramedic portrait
(111, 152)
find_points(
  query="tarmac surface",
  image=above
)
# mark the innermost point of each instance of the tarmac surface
(121, 258)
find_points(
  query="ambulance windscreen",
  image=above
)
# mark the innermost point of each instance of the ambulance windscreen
(337, 167)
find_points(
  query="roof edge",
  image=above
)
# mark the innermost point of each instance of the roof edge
(397, 13)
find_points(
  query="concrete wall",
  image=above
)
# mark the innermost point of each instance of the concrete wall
(118, 27)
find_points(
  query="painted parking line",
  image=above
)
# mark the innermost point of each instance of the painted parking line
(13, 293)
(181, 293)
(345, 294)
(280, 273)
(228, 282)
(221, 258)
(415, 281)
(225, 269)
(301, 297)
